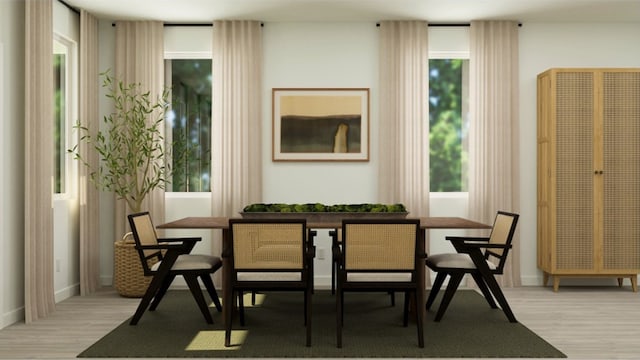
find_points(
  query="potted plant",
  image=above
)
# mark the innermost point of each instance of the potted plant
(131, 148)
(132, 163)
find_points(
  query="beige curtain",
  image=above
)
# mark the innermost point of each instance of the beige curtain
(88, 194)
(404, 115)
(140, 59)
(493, 133)
(236, 126)
(38, 221)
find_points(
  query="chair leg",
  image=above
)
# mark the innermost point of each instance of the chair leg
(333, 278)
(306, 299)
(437, 284)
(228, 311)
(405, 311)
(211, 289)
(194, 286)
(419, 317)
(454, 282)
(152, 290)
(497, 293)
(307, 305)
(482, 285)
(342, 307)
(241, 306)
(334, 270)
(339, 316)
(161, 292)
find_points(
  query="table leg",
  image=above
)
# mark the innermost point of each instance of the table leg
(227, 292)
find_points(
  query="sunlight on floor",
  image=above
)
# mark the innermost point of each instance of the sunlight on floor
(214, 340)
(259, 300)
(247, 300)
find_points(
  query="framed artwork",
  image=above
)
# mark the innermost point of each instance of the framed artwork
(320, 124)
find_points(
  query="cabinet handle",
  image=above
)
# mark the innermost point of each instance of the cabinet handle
(598, 172)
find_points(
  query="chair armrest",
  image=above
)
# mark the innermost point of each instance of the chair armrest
(468, 244)
(312, 234)
(187, 243)
(487, 246)
(162, 247)
(465, 247)
(185, 239)
(467, 238)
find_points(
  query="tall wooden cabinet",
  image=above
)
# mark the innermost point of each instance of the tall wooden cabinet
(588, 150)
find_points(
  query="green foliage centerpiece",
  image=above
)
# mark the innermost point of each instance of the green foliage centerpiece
(317, 212)
(317, 207)
(131, 147)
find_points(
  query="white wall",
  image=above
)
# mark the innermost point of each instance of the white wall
(321, 55)
(12, 133)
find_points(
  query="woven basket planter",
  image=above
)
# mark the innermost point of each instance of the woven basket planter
(128, 276)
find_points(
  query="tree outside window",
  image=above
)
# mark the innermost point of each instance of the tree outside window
(60, 117)
(189, 124)
(448, 104)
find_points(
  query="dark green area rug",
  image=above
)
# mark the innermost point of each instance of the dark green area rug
(274, 328)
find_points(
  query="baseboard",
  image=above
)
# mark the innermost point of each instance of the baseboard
(67, 292)
(12, 317)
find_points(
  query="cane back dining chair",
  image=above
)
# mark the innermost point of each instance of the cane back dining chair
(381, 255)
(269, 255)
(336, 249)
(166, 258)
(482, 258)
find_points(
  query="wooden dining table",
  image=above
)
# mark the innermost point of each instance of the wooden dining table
(222, 223)
(213, 222)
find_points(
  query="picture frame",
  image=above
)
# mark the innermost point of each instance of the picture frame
(320, 124)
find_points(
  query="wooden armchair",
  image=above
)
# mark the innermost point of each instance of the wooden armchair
(482, 258)
(173, 259)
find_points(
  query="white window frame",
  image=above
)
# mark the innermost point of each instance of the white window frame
(64, 45)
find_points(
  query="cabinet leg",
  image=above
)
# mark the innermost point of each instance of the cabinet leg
(556, 283)
(634, 283)
(545, 278)
(620, 281)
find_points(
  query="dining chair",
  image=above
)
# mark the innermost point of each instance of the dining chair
(269, 255)
(482, 258)
(166, 258)
(385, 256)
(336, 246)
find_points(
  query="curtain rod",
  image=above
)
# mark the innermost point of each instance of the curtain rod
(449, 24)
(188, 24)
(69, 7)
(196, 24)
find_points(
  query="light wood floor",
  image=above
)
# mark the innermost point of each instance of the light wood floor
(582, 322)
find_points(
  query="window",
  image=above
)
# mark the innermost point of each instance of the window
(448, 124)
(189, 123)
